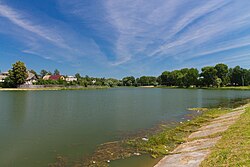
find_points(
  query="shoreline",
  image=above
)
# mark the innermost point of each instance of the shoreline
(198, 145)
(106, 87)
(53, 88)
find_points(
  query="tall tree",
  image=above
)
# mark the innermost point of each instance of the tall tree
(166, 78)
(18, 73)
(209, 75)
(56, 72)
(191, 77)
(237, 77)
(43, 73)
(128, 81)
(78, 76)
(222, 73)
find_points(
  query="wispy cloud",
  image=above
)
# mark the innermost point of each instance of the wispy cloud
(49, 38)
(125, 34)
(20, 20)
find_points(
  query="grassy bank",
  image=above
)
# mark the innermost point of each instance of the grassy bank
(164, 142)
(54, 88)
(234, 147)
(209, 88)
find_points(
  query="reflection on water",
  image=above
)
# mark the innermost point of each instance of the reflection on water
(37, 126)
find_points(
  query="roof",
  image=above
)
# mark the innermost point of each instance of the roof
(55, 77)
(31, 76)
(4, 73)
(46, 77)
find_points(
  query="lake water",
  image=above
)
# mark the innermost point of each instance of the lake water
(36, 126)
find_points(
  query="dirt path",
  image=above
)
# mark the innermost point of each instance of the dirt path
(197, 147)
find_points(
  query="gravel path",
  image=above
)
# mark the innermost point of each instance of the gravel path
(196, 149)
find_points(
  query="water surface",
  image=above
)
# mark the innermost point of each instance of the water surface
(36, 126)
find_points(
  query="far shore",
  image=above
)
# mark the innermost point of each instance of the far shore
(106, 87)
(53, 88)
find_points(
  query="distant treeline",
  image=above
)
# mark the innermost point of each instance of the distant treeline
(210, 76)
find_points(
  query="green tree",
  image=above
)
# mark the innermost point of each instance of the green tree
(166, 78)
(128, 81)
(78, 76)
(222, 73)
(34, 72)
(237, 77)
(147, 80)
(191, 77)
(56, 72)
(209, 75)
(18, 74)
(218, 82)
(43, 73)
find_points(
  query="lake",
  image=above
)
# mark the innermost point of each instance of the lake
(36, 126)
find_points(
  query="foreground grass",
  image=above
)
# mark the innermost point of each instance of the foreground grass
(164, 142)
(234, 147)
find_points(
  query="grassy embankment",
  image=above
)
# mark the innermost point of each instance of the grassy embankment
(54, 88)
(234, 147)
(210, 88)
(164, 142)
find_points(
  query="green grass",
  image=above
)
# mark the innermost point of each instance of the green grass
(209, 88)
(165, 141)
(54, 88)
(234, 147)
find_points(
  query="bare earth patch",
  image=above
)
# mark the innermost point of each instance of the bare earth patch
(197, 147)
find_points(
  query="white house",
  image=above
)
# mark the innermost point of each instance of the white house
(71, 79)
(3, 76)
(31, 78)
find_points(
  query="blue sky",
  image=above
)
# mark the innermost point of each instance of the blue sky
(116, 38)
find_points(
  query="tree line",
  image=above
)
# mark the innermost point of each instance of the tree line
(209, 76)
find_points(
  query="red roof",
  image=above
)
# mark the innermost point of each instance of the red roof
(55, 77)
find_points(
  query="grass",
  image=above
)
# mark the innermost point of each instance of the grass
(209, 88)
(234, 147)
(164, 142)
(54, 88)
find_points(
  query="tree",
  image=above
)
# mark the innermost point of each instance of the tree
(78, 76)
(18, 74)
(237, 77)
(209, 75)
(128, 81)
(43, 73)
(34, 72)
(191, 77)
(165, 78)
(222, 73)
(147, 80)
(218, 82)
(56, 72)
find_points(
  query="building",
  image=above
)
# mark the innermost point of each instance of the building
(56, 77)
(32, 78)
(70, 79)
(46, 77)
(3, 76)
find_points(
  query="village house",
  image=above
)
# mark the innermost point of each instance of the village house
(46, 77)
(3, 76)
(32, 78)
(70, 79)
(56, 77)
